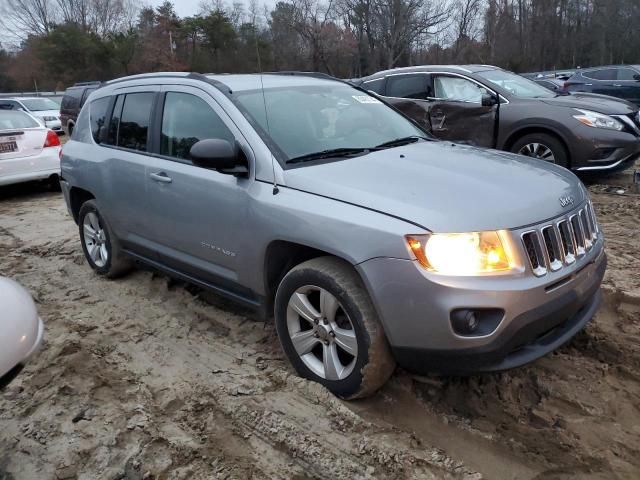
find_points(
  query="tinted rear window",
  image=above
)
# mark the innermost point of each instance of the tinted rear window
(408, 86)
(12, 119)
(602, 74)
(129, 125)
(72, 98)
(98, 116)
(376, 86)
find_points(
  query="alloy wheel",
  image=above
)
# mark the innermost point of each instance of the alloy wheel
(95, 239)
(538, 150)
(322, 333)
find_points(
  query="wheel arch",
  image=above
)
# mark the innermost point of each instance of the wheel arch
(281, 256)
(78, 196)
(528, 130)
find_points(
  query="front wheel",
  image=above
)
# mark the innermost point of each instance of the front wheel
(329, 329)
(543, 146)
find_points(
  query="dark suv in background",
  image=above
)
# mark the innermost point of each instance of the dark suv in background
(72, 102)
(622, 81)
(486, 106)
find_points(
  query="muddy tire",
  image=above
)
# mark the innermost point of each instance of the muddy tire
(329, 329)
(100, 246)
(543, 146)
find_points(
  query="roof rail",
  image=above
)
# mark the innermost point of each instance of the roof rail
(84, 84)
(325, 76)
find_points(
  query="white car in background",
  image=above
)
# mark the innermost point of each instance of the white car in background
(28, 150)
(21, 330)
(44, 109)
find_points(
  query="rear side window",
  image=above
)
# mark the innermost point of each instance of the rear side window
(98, 117)
(376, 86)
(602, 74)
(71, 98)
(9, 105)
(129, 126)
(187, 119)
(11, 119)
(408, 86)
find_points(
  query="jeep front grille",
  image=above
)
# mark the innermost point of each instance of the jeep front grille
(552, 246)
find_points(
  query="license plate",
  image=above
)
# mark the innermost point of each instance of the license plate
(6, 147)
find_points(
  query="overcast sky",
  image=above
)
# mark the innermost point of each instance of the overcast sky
(184, 8)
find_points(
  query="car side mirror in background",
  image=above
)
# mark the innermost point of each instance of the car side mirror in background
(218, 154)
(636, 77)
(488, 100)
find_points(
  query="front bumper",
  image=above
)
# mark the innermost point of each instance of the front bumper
(597, 149)
(538, 317)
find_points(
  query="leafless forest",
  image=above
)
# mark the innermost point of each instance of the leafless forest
(53, 43)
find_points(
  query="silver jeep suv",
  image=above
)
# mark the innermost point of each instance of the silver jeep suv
(314, 201)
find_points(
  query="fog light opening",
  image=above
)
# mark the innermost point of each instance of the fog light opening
(475, 322)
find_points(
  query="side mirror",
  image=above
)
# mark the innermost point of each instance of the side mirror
(217, 154)
(636, 77)
(488, 100)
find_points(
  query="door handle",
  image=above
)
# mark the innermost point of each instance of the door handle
(617, 85)
(160, 177)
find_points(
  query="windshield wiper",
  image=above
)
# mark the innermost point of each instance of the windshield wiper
(332, 153)
(398, 142)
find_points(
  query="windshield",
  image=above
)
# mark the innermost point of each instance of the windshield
(302, 120)
(13, 119)
(516, 85)
(39, 104)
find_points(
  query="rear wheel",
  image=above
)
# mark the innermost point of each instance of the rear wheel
(101, 248)
(329, 329)
(543, 146)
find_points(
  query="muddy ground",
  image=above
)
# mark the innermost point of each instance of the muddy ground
(142, 378)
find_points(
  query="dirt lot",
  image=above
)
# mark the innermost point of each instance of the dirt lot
(142, 378)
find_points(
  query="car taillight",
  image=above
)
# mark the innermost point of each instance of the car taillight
(52, 139)
(565, 85)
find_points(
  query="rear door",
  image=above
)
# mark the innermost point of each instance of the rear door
(602, 81)
(457, 113)
(127, 139)
(197, 215)
(410, 93)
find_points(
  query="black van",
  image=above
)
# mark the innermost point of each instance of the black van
(72, 102)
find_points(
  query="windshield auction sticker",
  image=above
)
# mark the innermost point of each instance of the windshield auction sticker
(366, 99)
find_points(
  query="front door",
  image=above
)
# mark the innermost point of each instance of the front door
(628, 85)
(197, 215)
(457, 114)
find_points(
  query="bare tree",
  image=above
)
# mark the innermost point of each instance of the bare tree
(403, 23)
(27, 17)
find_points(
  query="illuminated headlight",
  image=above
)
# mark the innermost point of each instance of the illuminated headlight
(463, 253)
(598, 120)
(49, 119)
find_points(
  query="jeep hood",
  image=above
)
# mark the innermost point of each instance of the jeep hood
(593, 102)
(445, 187)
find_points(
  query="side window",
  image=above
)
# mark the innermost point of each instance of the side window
(9, 105)
(602, 74)
(626, 74)
(186, 119)
(376, 86)
(457, 89)
(409, 86)
(133, 128)
(86, 94)
(98, 117)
